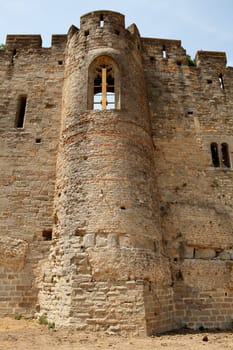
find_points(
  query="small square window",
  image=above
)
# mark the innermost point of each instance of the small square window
(47, 234)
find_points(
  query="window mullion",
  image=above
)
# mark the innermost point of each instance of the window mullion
(104, 88)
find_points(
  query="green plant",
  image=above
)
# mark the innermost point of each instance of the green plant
(191, 62)
(179, 276)
(18, 317)
(2, 46)
(43, 320)
(51, 325)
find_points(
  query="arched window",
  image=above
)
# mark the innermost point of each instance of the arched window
(103, 84)
(225, 155)
(215, 155)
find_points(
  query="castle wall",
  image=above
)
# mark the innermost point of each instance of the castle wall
(27, 162)
(120, 219)
(190, 110)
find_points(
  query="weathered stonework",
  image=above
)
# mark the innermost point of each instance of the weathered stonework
(117, 220)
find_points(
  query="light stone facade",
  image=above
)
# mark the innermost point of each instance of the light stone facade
(116, 220)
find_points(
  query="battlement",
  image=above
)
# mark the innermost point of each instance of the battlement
(162, 42)
(27, 41)
(211, 58)
(59, 40)
(163, 50)
(23, 41)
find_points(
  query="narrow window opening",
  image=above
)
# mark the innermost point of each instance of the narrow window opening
(20, 116)
(209, 81)
(117, 32)
(101, 21)
(194, 253)
(38, 140)
(86, 33)
(47, 234)
(164, 52)
(220, 78)
(225, 155)
(60, 63)
(13, 57)
(215, 155)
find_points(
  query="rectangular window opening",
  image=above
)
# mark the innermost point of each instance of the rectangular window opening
(47, 234)
(13, 57)
(98, 101)
(164, 52)
(220, 78)
(21, 109)
(220, 157)
(101, 21)
(215, 155)
(110, 100)
(225, 155)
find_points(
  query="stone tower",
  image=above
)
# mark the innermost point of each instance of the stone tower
(105, 269)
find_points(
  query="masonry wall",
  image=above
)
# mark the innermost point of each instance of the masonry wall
(27, 163)
(190, 110)
(106, 234)
(115, 220)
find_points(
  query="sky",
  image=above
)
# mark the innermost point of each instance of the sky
(199, 24)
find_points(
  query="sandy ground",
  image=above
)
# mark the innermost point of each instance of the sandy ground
(29, 335)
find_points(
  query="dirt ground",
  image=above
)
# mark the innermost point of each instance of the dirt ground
(29, 335)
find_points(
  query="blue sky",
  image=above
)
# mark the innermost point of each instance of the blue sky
(200, 24)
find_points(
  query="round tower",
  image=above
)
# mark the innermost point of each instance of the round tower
(105, 262)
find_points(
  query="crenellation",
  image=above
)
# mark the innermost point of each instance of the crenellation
(59, 40)
(211, 59)
(23, 42)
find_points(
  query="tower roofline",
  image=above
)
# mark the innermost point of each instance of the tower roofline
(102, 12)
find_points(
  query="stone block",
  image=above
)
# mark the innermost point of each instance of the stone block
(188, 252)
(89, 240)
(225, 255)
(205, 253)
(125, 241)
(112, 240)
(101, 240)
